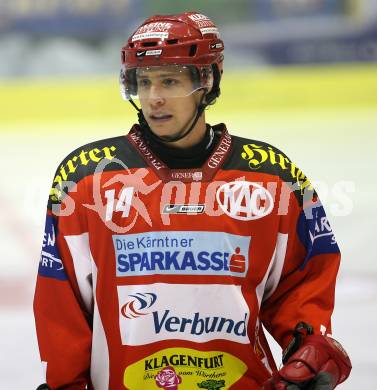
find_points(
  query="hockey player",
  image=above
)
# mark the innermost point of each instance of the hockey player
(166, 250)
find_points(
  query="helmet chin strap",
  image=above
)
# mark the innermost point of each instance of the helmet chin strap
(145, 127)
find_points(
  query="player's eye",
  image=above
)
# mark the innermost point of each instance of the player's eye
(170, 82)
(144, 83)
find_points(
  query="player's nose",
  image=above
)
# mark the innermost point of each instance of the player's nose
(156, 96)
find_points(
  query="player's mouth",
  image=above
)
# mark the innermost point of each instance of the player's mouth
(160, 118)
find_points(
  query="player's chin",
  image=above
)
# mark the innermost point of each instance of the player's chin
(163, 130)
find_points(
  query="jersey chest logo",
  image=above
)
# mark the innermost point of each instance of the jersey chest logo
(244, 200)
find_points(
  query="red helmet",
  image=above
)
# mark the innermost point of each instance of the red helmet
(189, 39)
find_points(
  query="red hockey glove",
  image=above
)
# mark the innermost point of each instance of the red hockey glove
(311, 362)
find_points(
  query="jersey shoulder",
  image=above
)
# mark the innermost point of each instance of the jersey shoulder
(104, 155)
(262, 157)
(255, 155)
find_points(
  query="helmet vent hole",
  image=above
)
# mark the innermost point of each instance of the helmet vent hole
(192, 51)
(149, 44)
(172, 41)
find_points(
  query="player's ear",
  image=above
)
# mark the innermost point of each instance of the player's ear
(199, 96)
(209, 88)
(213, 89)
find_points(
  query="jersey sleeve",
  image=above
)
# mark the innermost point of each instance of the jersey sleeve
(63, 295)
(302, 286)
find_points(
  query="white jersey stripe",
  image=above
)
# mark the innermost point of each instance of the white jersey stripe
(86, 275)
(271, 279)
(80, 252)
(277, 265)
(100, 363)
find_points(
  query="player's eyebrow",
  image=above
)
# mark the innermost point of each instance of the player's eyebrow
(167, 74)
(170, 74)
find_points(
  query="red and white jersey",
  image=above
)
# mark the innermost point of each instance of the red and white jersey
(158, 278)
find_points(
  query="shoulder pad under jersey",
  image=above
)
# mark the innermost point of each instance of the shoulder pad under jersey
(257, 156)
(99, 156)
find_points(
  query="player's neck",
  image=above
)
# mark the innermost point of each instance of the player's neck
(193, 138)
(189, 157)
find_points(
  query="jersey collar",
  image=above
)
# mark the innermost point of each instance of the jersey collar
(205, 173)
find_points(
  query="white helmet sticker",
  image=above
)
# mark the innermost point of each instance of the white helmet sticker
(210, 30)
(159, 30)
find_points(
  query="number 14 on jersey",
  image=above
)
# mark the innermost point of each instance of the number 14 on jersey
(122, 204)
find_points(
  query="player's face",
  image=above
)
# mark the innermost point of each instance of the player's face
(167, 98)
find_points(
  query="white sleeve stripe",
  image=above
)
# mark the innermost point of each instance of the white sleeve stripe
(277, 265)
(272, 276)
(84, 267)
(44, 371)
(82, 261)
(100, 361)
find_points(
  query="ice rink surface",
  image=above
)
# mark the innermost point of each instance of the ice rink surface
(337, 150)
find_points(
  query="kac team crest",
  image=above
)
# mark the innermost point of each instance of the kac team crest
(244, 200)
